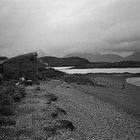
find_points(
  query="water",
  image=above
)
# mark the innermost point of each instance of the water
(97, 70)
(134, 81)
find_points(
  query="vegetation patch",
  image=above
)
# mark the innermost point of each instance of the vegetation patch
(45, 73)
(51, 131)
(8, 96)
(54, 114)
(65, 124)
(60, 110)
(6, 121)
(37, 88)
(61, 124)
(25, 110)
(7, 133)
(51, 97)
(6, 110)
(25, 132)
(78, 79)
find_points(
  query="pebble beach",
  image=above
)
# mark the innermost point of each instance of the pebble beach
(92, 118)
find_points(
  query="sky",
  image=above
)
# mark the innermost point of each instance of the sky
(59, 27)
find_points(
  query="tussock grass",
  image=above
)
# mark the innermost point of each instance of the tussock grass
(61, 124)
(8, 96)
(6, 110)
(51, 97)
(6, 121)
(51, 131)
(54, 114)
(65, 124)
(60, 110)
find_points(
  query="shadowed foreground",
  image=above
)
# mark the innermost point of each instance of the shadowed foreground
(58, 110)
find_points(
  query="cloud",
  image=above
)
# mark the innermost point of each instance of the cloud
(62, 26)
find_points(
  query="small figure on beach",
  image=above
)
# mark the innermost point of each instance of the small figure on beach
(123, 86)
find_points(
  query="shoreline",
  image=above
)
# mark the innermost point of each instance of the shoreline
(134, 71)
(133, 81)
(111, 90)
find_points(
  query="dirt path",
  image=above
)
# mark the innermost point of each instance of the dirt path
(38, 118)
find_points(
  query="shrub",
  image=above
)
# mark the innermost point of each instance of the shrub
(6, 110)
(45, 73)
(7, 101)
(17, 97)
(50, 131)
(6, 121)
(37, 88)
(61, 110)
(22, 92)
(52, 97)
(54, 115)
(9, 95)
(65, 124)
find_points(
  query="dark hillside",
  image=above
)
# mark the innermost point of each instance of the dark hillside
(60, 62)
(122, 64)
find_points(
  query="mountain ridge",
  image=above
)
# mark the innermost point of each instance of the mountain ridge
(105, 57)
(60, 62)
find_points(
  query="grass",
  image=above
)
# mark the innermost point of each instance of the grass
(6, 121)
(6, 110)
(61, 124)
(8, 97)
(78, 79)
(54, 115)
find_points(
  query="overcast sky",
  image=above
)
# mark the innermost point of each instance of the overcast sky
(59, 27)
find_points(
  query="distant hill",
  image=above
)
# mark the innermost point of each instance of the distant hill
(60, 62)
(81, 63)
(134, 57)
(97, 57)
(106, 57)
(122, 64)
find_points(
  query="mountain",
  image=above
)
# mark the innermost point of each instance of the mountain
(134, 57)
(106, 57)
(60, 62)
(97, 57)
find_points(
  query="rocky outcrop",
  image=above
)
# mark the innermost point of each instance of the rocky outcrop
(21, 66)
